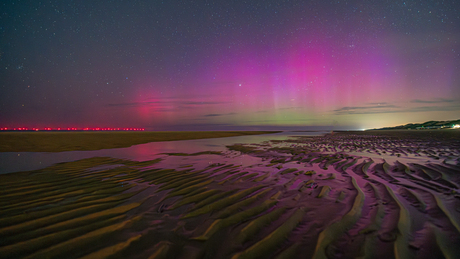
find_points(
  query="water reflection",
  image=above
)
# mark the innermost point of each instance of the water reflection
(25, 161)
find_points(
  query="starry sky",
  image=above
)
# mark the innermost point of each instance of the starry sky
(225, 65)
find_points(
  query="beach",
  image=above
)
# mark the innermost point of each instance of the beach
(366, 194)
(59, 141)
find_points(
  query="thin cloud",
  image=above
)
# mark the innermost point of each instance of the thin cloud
(435, 108)
(394, 109)
(379, 103)
(366, 109)
(199, 103)
(275, 120)
(219, 114)
(438, 100)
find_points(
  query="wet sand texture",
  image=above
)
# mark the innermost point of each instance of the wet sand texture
(337, 196)
(73, 141)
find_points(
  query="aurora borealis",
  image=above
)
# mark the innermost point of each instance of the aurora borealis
(183, 65)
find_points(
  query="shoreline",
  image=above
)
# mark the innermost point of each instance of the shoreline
(86, 141)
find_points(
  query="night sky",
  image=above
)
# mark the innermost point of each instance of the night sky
(216, 65)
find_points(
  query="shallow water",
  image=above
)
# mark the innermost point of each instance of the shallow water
(337, 196)
(26, 161)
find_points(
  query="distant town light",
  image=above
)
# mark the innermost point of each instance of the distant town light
(456, 126)
(71, 129)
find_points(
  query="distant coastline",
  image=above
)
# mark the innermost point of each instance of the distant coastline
(453, 124)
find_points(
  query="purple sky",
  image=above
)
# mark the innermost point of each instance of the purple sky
(178, 65)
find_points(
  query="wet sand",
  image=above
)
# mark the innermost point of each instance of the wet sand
(343, 195)
(58, 141)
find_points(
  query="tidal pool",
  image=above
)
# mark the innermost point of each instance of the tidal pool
(25, 161)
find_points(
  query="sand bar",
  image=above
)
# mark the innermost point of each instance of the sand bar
(83, 141)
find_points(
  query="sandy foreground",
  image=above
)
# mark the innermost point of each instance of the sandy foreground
(345, 195)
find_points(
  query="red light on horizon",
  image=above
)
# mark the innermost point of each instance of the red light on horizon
(71, 129)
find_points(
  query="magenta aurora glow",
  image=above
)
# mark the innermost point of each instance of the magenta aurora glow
(216, 65)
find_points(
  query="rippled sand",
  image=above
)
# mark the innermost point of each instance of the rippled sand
(369, 195)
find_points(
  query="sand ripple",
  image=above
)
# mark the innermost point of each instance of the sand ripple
(336, 196)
